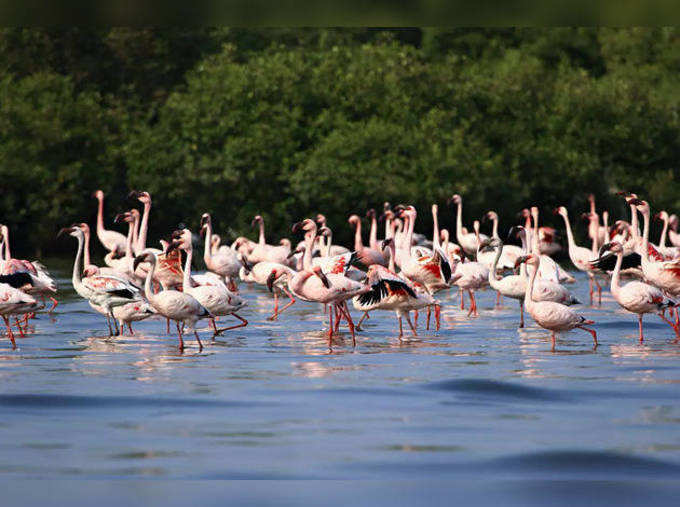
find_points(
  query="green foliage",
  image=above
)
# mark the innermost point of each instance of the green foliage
(290, 122)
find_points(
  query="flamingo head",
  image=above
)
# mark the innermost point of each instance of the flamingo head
(181, 236)
(98, 194)
(385, 243)
(300, 249)
(320, 274)
(74, 230)
(257, 219)
(126, 216)
(321, 219)
(560, 210)
(216, 240)
(673, 221)
(205, 222)
(490, 215)
(591, 198)
(455, 199)
(90, 270)
(444, 235)
(325, 232)
(141, 196)
(307, 225)
(84, 227)
(614, 247)
(272, 278)
(285, 242)
(530, 259)
(475, 226)
(354, 220)
(515, 232)
(387, 214)
(386, 206)
(146, 255)
(435, 209)
(370, 213)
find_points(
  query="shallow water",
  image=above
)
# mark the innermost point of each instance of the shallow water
(477, 399)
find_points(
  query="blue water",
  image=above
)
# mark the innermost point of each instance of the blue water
(478, 400)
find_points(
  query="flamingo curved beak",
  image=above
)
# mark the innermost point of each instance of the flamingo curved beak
(270, 280)
(520, 260)
(297, 226)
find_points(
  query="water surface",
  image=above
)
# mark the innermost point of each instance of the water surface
(270, 401)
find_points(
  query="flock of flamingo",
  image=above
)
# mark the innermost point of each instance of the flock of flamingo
(403, 273)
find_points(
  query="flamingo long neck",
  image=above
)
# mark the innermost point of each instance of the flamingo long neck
(411, 227)
(595, 223)
(534, 233)
(592, 206)
(296, 282)
(664, 232)
(435, 229)
(358, 244)
(616, 275)
(144, 227)
(528, 294)
(186, 280)
(261, 239)
(493, 272)
(393, 253)
(459, 222)
(634, 225)
(5, 234)
(328, 244)
(373, 234)
(389, 231)
(525, 250)
(645, 236)
(100, 215)
(135, 232)
(309, 246)
(207, 254)
(148, 287)
(494, 231)
(570, 236)
(86, 253)
(76, 277)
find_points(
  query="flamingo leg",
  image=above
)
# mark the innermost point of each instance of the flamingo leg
(498, 299)
(115, 322)
(54, 304)
(401, 328)
(338, 317)
(18, 324)
(521, 313)
(675, 327)
(640, 327)
(350, 322)
(413, 329)
(437, 315)
(415, 317)
(132, 333)
(552, 338)
(274, 315)
(429, 312)
(288, 305)
(592, 333)
(330, 326)
(108, 323)
(462, 299)
(10, 334)
(590, 287)
(243, 323)
(599, 291)
(167, 326)
(179, 334)
(364, 316)
(198, 340)
(473, 304)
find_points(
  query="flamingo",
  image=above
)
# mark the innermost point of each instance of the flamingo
(636, 297)
(373, 234)
(15, 302)
(105, 291)
(432, 272)
(264, 252)
(512, 286)
(113, 241)
(225, 262)
(596, 232)
(673, 235)
(510, 253)
(669, 252)
(365, 255)
(275, 276)
(172, 304)
(215, 297)
(581, 257)
(467, 241)
(331, 248)
(552, 316)
(663, 274)
(41, 284)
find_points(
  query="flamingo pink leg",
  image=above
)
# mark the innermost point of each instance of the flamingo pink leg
(287, 305)
(330, 326)
(437, 316)
(640, 327)
(243, 323)
(18, 324)
(10, 334)
(413, 329)
(345, 311)
(179, 334)
(54, 304)
(591, 331)
(462, 299)
(364, 316)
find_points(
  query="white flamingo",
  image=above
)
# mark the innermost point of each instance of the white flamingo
(552, 316)
(469, 242)
(113, 241)
(636, 297)
(105, 291)
(15, 302)
(225, 262)
(172, 304)
(215, 297)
